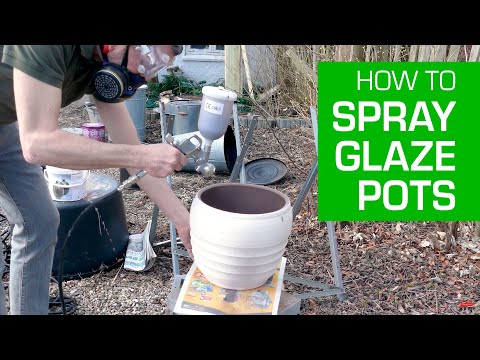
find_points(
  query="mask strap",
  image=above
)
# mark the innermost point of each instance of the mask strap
(125, 58)
(104, 49)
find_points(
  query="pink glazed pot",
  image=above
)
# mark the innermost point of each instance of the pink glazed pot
(94, 131)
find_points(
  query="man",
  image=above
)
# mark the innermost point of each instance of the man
(36, 81)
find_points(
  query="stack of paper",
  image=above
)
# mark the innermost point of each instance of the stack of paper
(140, 255)
(198, 296)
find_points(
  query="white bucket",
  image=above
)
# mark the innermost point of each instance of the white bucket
(66, 184)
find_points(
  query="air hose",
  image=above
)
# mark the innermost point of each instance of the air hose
(67, 305)
(60, 262)
(133, 179)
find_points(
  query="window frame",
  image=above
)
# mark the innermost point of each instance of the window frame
(209, 54)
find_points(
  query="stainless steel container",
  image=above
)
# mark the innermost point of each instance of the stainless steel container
(182, 116)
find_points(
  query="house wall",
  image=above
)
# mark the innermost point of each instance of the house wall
(261, 60)
(211, 70)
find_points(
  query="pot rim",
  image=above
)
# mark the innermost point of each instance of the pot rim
(283, 210)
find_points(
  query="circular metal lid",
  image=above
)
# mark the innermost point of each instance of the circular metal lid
(264, 171)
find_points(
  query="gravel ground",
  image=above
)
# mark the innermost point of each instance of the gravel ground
(387, 268)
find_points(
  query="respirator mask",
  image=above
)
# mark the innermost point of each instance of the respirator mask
(114, 82)
(153, 59)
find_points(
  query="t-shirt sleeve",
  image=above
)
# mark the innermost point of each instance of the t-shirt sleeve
(43, 62)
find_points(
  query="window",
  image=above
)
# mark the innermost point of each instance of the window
(204, 52)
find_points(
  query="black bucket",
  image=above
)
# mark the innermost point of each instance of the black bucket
(100, 238)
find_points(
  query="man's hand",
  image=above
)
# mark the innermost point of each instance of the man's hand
(163, 160)
(184, 235)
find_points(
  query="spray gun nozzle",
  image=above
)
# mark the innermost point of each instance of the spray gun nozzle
(205, 169)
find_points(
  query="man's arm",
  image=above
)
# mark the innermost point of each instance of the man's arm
(38, 108)
(43, 142)
(121, 129)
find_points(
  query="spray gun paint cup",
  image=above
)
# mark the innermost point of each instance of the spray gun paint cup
(213, 120)
(94, 131)
(214, 117)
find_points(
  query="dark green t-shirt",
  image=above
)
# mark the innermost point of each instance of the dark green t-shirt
(68, 67)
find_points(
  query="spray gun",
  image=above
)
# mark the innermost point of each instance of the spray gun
(213, 120)
(192, 148)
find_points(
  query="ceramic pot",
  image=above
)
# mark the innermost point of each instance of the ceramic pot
(239, 233)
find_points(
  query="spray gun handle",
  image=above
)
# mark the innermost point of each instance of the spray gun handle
(187, 146)
(169, 139)
(194, 151)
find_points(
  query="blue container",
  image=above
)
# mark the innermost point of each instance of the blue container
(137, 106)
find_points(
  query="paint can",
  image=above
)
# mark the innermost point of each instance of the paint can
(94, 131)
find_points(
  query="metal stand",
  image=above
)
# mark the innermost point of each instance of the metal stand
(327, 290)
(239, 172)
(173, 232)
